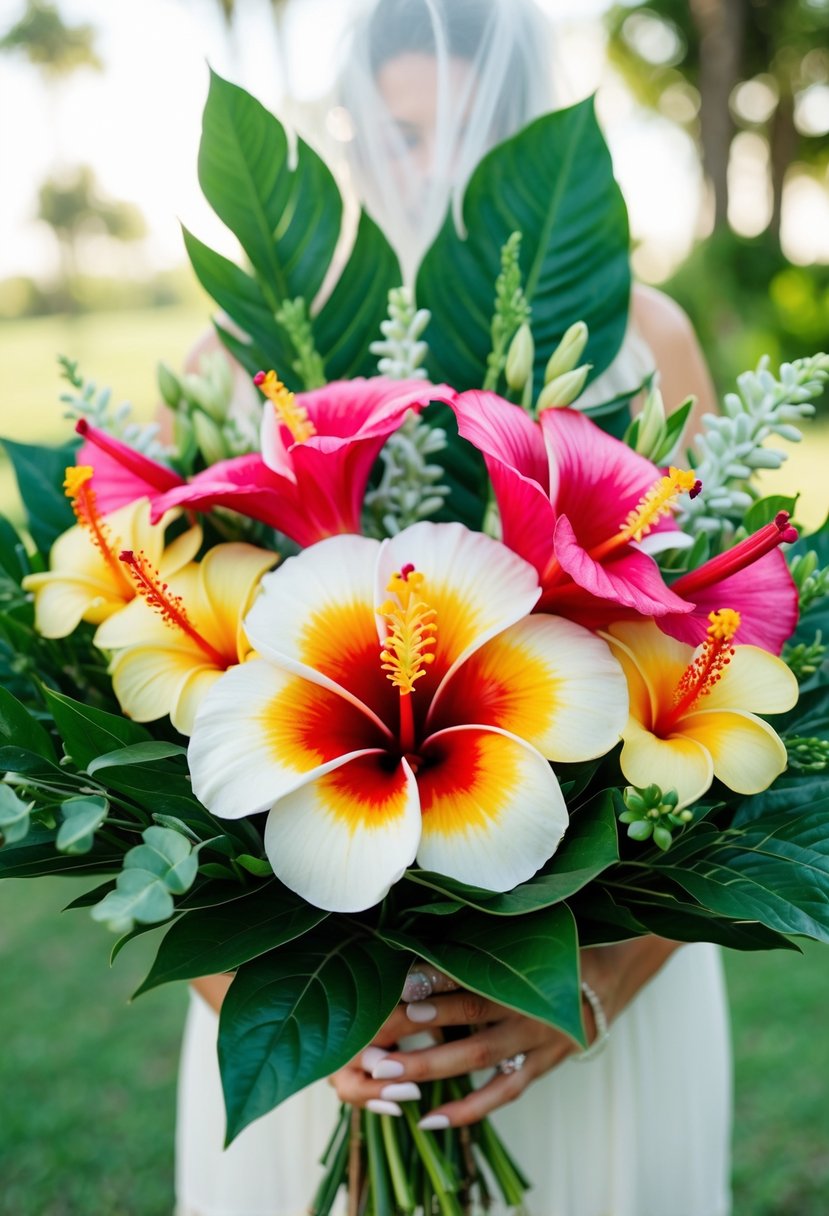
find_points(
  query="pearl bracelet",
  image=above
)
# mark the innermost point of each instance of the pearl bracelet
(602, 1030)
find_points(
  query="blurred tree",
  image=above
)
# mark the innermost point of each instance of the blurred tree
(74, 208)
(49, 44)
(719, 67)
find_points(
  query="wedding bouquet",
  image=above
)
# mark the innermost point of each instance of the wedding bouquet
(429, 664)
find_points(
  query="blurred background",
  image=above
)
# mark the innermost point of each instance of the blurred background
(717, 115)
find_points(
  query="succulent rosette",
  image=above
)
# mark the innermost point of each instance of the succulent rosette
(405, 706)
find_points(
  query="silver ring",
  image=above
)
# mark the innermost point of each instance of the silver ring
(512, 1064)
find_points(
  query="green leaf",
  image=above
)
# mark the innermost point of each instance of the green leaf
(223, 938)
(531, 964)
(168, 855)
(674, 426)
(136, 753)
(589, 847)
(12, 551)
(764, 511)
(37, 857)
(19, 729)
(774, 869)
(88, 732)
(300, 1013)
(14, 816)
(139, 895)
(82, 817)
(553, 183)
(40, 473)
(285, 216)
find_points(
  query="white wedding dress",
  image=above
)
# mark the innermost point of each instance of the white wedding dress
(641, 1130)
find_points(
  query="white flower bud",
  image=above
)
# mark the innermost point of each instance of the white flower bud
(520, 358)
(568, 352)
(563, 390)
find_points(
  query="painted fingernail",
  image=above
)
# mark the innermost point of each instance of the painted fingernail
(406, 1091)
(416, 988)
(434, 1123)
(371, 1057)
(421, 1011)
(378, 1107)
(387, 1070)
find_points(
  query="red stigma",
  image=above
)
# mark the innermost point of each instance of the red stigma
(82, 427)
(696, 490)
(259, 379)
(406, 570)
(788, 533)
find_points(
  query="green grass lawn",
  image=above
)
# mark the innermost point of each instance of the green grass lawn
(87, 1082)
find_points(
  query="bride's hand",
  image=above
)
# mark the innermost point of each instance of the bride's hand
(385, 1076)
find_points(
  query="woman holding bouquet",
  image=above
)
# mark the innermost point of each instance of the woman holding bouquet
(641, 1128)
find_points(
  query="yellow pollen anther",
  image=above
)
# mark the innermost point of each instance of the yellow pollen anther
(76, 476)
(706, 670)
(657, 502)
(724, 624)
(409, 645)
(293, 416)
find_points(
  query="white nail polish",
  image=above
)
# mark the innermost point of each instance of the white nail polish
(387, 1070)
(421, 1011)
(405, 1091)
(371, 1057)
(378, 1107)
(434, 1123)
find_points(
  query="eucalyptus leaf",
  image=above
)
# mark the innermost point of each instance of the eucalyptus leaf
(139, 896)
(300, 1013)
(223, 938)
(14, 816)
(82, 816)
(168, 855)
(531, 964)
(552, 182)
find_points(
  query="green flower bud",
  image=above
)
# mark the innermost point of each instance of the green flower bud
(183, 432)
(168, 386)
(203, 393)
(209, 438)
(520, 358)
(564, 390)
(662, 838)
(568, 352)
(652, 428)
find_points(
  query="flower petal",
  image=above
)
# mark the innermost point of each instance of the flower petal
(180, 551)
(764, 594)
(678, 763)
(493, 812)
(62, 602)
(122, 474)
(631, 579)
(476, 585)
(190, 696)
(748, 755)
(754, 680)
(342, 840)
(315, 615)
(228, 577)
(261, 732)
(546, 680)
(653, 664)
(146, 680)
(137, 624)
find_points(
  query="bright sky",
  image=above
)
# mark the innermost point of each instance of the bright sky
(138, 122)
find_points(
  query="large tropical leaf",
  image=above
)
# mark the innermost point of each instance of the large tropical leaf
(301, 1012)
(553, 182)
(40, 472)
(286, 211)
(530, 964)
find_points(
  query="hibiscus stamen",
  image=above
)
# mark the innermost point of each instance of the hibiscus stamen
(169, 606)
(409, 646)
(707, 667)
(653, 506)
(78, 489)
(290, 414)
(748, 551)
